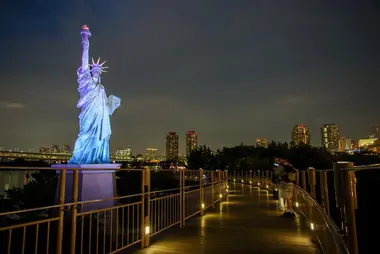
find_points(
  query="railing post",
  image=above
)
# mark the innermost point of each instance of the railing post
(145, 207)
(181, 197)
(297, 177)
(303, 173)
(226, 182)
(349, 188)
(74, 211)
(202, 204)
(212, 189)
(220, 182)
(324, 191)
(311, 181)
(61, 216)
(339, 192)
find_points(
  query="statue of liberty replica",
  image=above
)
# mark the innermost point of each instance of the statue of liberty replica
(92, 144)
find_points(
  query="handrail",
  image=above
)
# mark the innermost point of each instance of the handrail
(140, 217)
(330, 225)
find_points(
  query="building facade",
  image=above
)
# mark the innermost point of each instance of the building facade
(262, 142)
(300, 135)
(191, 142)
(172, 147)
(330, 137)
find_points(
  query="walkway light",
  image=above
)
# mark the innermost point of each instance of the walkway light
(250, 182)
(234, 180)
(220, 195)
(203, 206)
(242, 181)
(258, 183)
(312, 226)
(297, 204)
(147, 230)
(267, 186)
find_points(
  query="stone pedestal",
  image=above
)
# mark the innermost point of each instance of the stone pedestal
(95, 181)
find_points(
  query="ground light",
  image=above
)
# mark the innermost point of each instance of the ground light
(147, 230)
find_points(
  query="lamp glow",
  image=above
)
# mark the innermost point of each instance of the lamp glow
(234, 180)
(312, 226)
(220, 195)
(297, 204)
(242, 181)
(147, 230)
(250, 182)
(203, 205)
(276, 189)
(258, 184)
(267, 186)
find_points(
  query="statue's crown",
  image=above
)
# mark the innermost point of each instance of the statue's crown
(98, 65)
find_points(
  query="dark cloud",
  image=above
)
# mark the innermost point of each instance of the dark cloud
(232, 70)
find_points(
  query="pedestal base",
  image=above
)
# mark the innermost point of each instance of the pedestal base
(95, 182)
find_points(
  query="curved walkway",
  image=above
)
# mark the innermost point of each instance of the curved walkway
(246, 223)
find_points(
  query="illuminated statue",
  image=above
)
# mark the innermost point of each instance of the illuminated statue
(92, 144)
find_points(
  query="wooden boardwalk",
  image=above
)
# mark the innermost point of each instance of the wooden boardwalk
(246, 223)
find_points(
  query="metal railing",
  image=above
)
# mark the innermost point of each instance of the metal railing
(322, 228)
(80, 226)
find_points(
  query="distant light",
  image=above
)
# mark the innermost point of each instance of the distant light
(250, 182)
(296, 203)
(147, 230)
(312, 226)
(203, 205)
(258, 184)
(220, 195)
(267, 186)
(242, 181)
(234, 180)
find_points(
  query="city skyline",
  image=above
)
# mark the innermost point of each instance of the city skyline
(232, 71)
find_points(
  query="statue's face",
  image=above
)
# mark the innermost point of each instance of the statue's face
(96, 72)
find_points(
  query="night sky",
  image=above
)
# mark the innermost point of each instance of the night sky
(231, 70)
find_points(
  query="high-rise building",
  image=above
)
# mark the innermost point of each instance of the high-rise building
(330, 137)
(345, 144)
(151, 153)
(172, 148)
(191, 142)
(124, 153)
(300, 135)
(375, 131)
(262, 142)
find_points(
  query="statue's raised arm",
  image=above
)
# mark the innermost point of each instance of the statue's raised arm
(85, 45)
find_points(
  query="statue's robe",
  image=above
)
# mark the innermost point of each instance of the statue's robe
(92, 145)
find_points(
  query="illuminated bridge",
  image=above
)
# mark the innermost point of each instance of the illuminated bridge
(11, 155)
(197, 212)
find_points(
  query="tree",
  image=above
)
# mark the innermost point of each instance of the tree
(202, 157)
